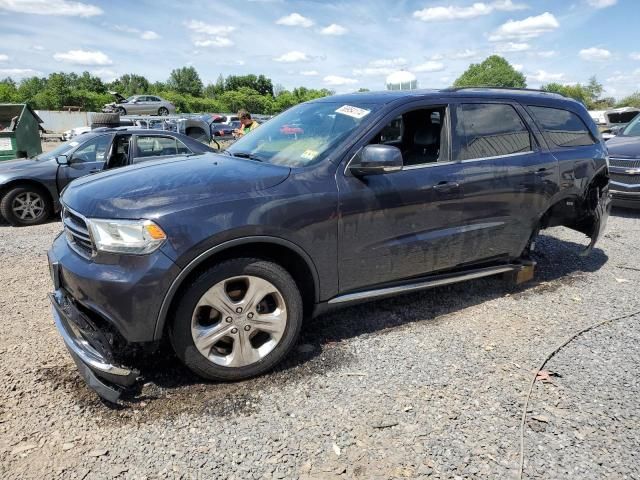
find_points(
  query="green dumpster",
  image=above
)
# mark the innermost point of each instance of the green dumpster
(19, 131)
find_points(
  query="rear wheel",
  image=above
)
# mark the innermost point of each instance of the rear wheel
(25, 205)
(163, 112)
(237, 320)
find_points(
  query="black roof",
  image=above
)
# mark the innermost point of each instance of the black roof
(387, 96)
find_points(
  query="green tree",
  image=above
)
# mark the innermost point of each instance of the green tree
(260, 84)
(90, 83)
(632, 100)
(495, 71)
(8, 91)
(588, 94)
(130, 84)
(185, 80)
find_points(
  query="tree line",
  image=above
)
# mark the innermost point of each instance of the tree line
(184, 88)
(495, 71)
(255, 93)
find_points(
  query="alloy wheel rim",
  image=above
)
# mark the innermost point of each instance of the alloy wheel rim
(239, 321)
(28, 206)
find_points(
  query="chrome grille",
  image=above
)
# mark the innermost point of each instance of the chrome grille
(626, 179)
(624, 162)
(77, 233)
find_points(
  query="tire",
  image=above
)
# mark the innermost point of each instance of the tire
(226, 359)
(38, 211)
(105, 119)
(163, 111)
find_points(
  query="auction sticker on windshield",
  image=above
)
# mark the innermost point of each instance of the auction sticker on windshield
(309, 154)
(354, 112)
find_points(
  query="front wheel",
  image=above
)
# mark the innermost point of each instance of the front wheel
(25, 205)
(237, 319)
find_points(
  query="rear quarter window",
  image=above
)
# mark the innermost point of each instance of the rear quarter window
(562, 127)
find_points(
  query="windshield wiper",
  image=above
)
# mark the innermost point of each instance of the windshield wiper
(248, 155)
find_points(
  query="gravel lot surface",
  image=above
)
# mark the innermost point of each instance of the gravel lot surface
(428, 384)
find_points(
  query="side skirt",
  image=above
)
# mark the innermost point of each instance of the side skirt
(424, 283)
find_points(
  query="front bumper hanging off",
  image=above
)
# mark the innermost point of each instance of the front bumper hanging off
(81, 337)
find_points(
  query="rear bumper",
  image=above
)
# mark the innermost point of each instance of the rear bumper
(108, 379)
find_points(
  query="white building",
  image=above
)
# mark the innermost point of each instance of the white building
(402, 80)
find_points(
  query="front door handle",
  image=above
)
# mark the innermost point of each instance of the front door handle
(541, 171)
(446, 187)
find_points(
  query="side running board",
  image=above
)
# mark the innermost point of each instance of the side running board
(424, 284)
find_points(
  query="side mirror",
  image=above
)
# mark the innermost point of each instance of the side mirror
(62, 160)
(376, 160)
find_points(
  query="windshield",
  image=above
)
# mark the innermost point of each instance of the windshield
(63, 149)
(302, 135)
(633, 129)
(131, 98)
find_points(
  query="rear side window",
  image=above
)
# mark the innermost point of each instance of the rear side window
(490, 130)
(564, 128)
(153, 146)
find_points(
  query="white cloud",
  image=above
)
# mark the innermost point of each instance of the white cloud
(530, 27)
(292, 57)
(388, 62)
(214, 42)
(429, 67)
(334, 29)
(336, 80)
(546, 53)
(543, 77)
(4, 57)
(595, 54)
(105, 74)
(208, 29)
(83, 57)
(634, 56)
(467, 53)
(51, 7)
(517, 67)
(144, 35)
(210, 35)
(512, 47)
(602, 3)
(295, 20)
(18, 72)
(373, 71)
(149, 35)
(309, 73)
(478, 9)
(37, 47)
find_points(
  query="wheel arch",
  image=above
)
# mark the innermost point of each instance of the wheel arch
(17, 182)
(283, 252)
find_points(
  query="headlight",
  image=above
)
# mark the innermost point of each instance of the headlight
(126, 236)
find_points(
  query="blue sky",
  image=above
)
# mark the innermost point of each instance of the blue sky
(342, 45)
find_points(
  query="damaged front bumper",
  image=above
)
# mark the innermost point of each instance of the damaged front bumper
(89, 347)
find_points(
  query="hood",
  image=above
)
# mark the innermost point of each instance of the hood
(625, 147)
(152, 189)
(119, 98)
(25, 167)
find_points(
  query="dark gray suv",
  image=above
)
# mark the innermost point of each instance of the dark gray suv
(372, 195)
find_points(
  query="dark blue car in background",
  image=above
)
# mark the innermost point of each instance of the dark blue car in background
(377, 194)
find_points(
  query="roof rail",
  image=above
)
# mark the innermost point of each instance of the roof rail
(486, 87)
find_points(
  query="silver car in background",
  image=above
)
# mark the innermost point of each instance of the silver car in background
(139, 105)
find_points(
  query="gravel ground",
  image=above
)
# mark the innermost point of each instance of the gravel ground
(428, 384)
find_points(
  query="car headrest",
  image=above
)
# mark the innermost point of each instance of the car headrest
(425, 135)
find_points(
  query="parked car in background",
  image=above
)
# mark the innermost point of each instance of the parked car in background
(74, 132)
(224, 129)
(382, 193)
(30, 188)
(624, 165)
(139, 105)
